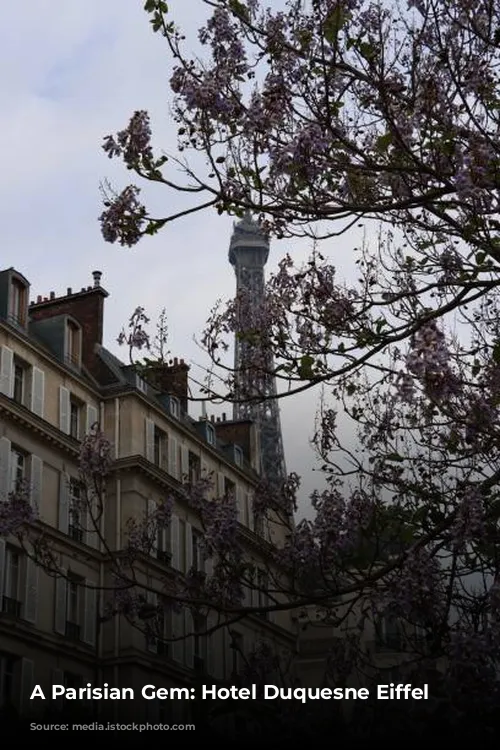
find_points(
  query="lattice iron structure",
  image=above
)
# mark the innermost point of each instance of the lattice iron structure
(253, 363)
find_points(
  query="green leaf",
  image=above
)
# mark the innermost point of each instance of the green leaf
(150, 6)
(394, 457)
(480, 258)
(305, 367)
(496, 352)
(239, 9)
(383, 142)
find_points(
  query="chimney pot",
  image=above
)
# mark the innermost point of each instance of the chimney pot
(97, 275)
(176, 361)
(82, 289)
(45, 299)
(212, 418)
(69, 291)
(52, 295)
(39, 298)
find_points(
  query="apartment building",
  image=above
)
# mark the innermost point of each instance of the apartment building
(57, 380)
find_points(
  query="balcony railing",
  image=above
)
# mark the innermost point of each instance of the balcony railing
(11, 606)
(72, 631)
(163, 556)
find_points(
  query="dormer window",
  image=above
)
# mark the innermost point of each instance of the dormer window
(175, 407)
(73, 341)
(17, 302)
(210, 435)
(238, 456)
(140, 384)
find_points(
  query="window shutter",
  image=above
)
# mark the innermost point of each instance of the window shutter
(185, 463)
(37, 391)
(63, 502)
(36, 482)
(150, 440)
(240, 504)
(2, 567)
(174, 542)
(27, 684)
(90, 613)
(154, 527)
(92, 417)
(60, 602)
(189, 642)
(221, 485)
(205, 474)
(64, 410)
(189, 547)
(173, 457)
(5, 461)
(31, 595)
(178, 632)
(209, 566)
(6, 371)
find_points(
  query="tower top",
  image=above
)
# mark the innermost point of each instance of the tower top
(247, 234)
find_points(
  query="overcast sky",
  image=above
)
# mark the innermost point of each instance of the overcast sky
(70, 73)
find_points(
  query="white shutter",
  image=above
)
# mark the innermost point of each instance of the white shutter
(173, 457)
(5, 461)
(63, 521)
(205, 474)
(64, 410)
(150, 439)
(240, 504)
(154, 542)
(27, 684)
(31, 595)
(90, 613)
(189, 547)
(189, 642)
(175, 547)
(36, 482)
(57, 678)
(178, 632)
(60, 602)
(92, 417)
(221, 485)
(37, 391)
(185, 463)
(6, 371)
(2, 569)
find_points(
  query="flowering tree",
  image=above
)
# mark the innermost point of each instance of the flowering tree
(316, 117)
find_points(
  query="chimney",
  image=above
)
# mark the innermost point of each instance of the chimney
(171, 379)
(223, 416)
(69, 291)
(97, 276)
(86, 307)
(52, 295)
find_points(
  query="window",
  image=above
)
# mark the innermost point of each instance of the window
(238, 456)
(72, 343)
(237, 661)
(194, 468)
(175, 407)
(140, 384)
(198, 552)
(17, 307)
(7, 670)
(11, 604)
(160, 454)
(229, 488)
(18, 469)
(210, 434)
(262, 593)
(75, 526)
(19, 394)
(389, 634)
(74, 594)
(163, 545)
(199, 643)
(75, 409)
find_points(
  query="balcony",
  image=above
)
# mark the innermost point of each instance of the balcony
(72, 632)
(11, 607)
(163, 556)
